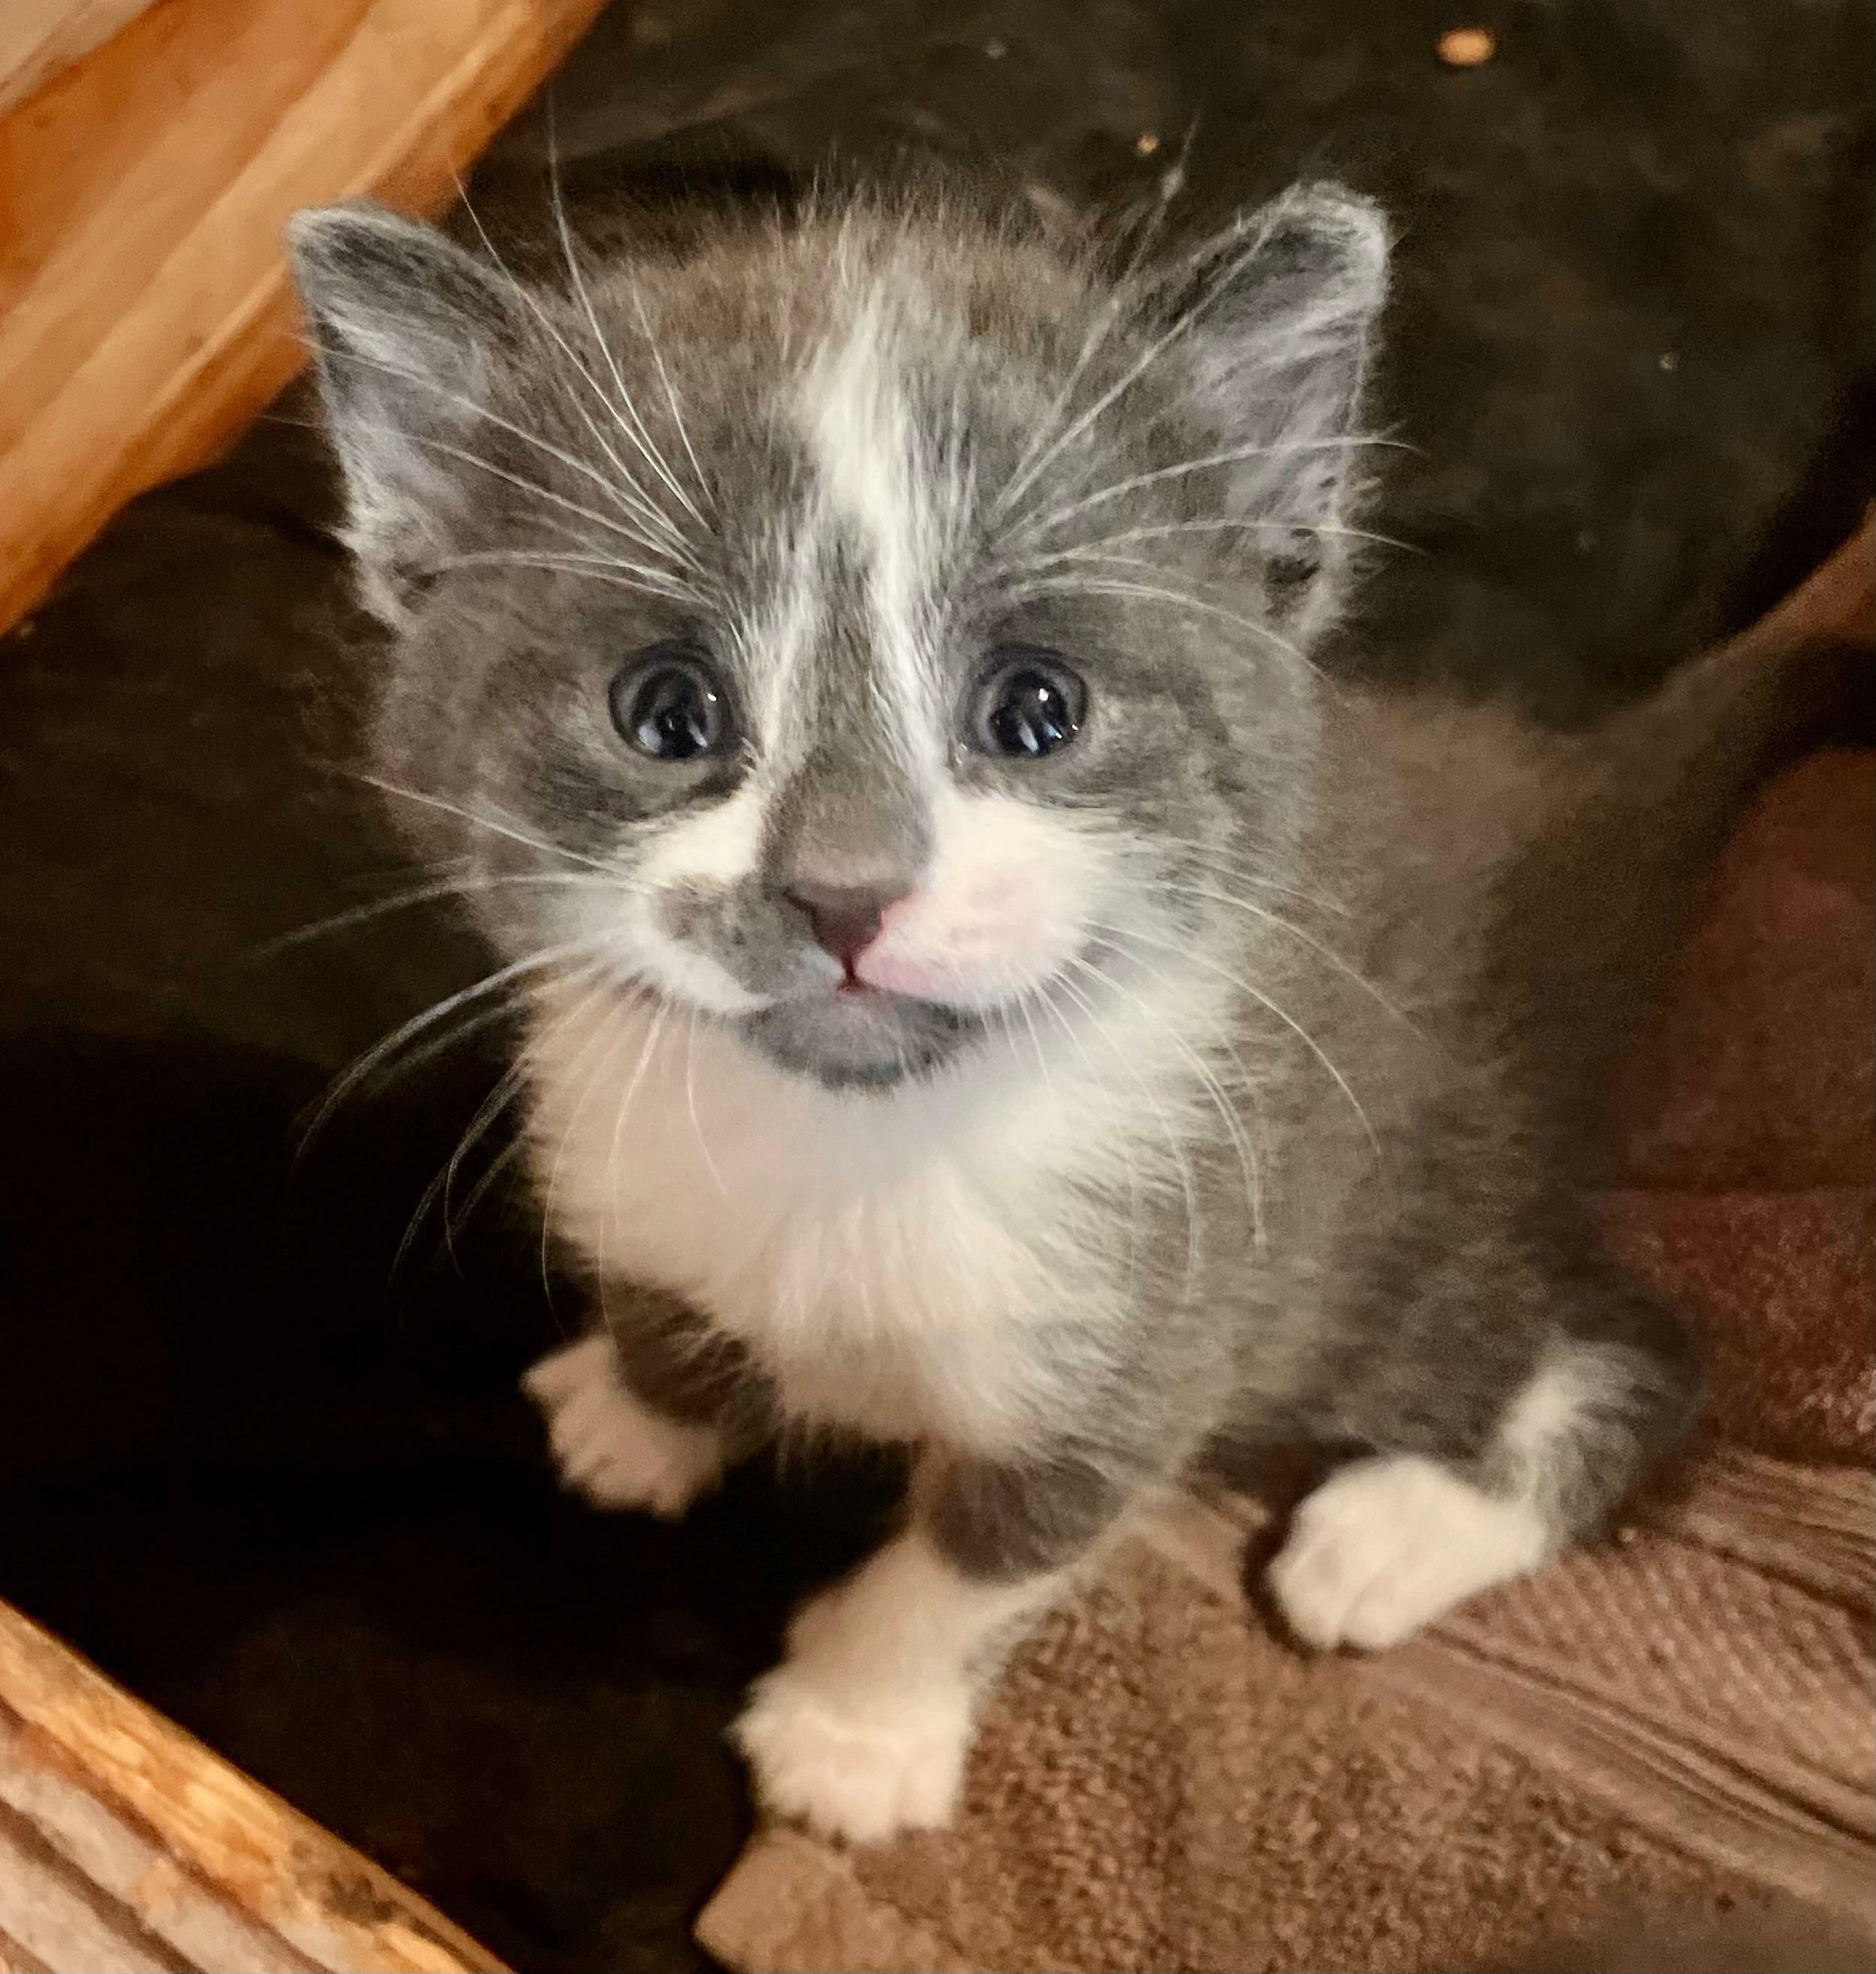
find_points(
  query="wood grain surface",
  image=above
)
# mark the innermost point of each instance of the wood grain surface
(126, 1845)
(38, 37)
(145, 314)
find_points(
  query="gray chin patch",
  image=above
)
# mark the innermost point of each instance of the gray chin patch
(874, 1044)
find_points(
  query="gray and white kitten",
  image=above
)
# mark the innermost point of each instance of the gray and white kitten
(984, 988)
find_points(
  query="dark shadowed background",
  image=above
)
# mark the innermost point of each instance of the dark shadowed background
(284, 1488)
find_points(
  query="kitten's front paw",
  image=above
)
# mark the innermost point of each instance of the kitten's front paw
(1388, 1545)
(610, 1445)
(860, 1772)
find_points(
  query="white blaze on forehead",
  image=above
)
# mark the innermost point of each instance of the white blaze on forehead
(777, 644)
(877, 496)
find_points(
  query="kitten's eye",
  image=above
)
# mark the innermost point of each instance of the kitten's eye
(667, 704)
(1030, 704)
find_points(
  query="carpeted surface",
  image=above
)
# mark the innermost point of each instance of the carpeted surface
(1675, 1730)
(283, 1487)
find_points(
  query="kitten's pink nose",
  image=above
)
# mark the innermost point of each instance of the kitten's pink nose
(846, 919)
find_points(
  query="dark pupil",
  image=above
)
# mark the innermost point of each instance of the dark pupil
(1031, 714)
(673, 716)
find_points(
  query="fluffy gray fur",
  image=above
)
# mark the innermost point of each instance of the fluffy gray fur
(1258, 1103)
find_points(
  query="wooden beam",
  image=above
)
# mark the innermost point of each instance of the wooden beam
(38, 37)
(125, 1845)
(145, 313)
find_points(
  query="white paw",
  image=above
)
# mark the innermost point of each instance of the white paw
(611, 1447)
(1388, 1545)
(862, 1772)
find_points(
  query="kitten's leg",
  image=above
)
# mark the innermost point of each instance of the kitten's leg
(1393, 1541)
(864, 1727)
(648, 1414)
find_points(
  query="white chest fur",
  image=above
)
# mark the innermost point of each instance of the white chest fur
(911, 1263)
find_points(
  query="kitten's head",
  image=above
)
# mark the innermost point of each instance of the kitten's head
(865, 633)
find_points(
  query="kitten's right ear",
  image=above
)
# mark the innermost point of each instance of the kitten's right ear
(405, 325)
(1277, 319)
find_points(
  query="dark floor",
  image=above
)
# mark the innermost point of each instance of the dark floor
(283, 1487)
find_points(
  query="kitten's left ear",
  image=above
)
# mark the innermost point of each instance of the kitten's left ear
(405, 326)
(1277, 319)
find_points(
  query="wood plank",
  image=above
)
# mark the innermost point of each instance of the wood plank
(38, 37)
(145, 311)
(125, 1844)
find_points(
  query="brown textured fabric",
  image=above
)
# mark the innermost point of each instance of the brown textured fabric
(1661, 1753)
(1783, 1284)
(1763, 1071)
(1752, 1123)
(1679, 1724)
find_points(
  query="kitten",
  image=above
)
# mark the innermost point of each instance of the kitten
(985, 988)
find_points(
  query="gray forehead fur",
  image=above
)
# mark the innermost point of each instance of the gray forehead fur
(1256, 341)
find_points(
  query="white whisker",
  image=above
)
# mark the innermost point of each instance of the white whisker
(1324, 529)
(1159, 592)
(1220, 1101)
(1236, 865)
(609, 1228)
(1228, 272)
(507, 1088)
(670, 395)
(1046, 997)
(531, 487)
(651, 512)
(483, 415)
(636, 430)
(691, 1106)
(1282, 924)
(514, 835)
(1035, 1040)
(490, 983)
(1047, 523)
(1121, 297)
(618, 1035)
(1181, 1159)
(405, 900)
(637, 576)
(503, 1160)
(1264, 1001)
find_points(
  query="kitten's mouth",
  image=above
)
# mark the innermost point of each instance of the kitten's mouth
(853, 1035)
